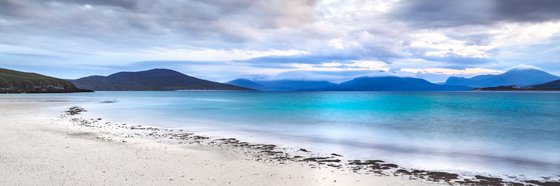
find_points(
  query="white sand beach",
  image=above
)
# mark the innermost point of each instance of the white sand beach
(37, 147)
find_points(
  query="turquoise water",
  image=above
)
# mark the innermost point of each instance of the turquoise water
(514, 133)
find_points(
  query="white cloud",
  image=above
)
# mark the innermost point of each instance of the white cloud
(438, 44)
(369, 65)
(200, 54)
(524, 67)
(352, 65)
(523, 34)
(451, 72)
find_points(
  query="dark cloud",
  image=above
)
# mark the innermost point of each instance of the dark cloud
(528, 10)
(15, 8)
(437, 13)
(140, 23)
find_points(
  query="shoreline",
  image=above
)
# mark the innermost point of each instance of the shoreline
(272, 153)
(127, 145)
(38, 147)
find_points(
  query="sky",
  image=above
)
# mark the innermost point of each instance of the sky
(333, 40)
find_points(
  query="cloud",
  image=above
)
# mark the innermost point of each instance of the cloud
(525, 66)
(200, 55)
(353, 65)
(437, 44)
(435, 13)
(527, 11)
(144, 23)
(333, 39)
(126, 4)
(451, 72)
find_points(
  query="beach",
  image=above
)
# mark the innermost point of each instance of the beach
(300, 92)
(38, 147)
(148, 138)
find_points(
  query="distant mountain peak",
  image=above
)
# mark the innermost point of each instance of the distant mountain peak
(363, 83)
(520, 76)
(161, 70)
(282, 85)
(155, 70)
(394, 83)
(521, 71)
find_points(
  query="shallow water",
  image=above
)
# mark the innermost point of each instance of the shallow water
(513, 133)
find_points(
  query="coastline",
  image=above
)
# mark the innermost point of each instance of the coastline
(282, 155)
(39, 147)
(231, 154)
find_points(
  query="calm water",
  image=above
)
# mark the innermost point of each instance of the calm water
(510, 133)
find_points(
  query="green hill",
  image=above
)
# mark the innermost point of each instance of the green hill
(154, 80)
(12, 81)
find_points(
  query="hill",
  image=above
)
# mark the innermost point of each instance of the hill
(554, 85)
(550, 86)
(12, 81)
(155, 79)
(514, 77)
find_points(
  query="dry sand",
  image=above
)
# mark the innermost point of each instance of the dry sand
(37, 147)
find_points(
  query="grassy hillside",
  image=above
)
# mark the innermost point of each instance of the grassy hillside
(12, 81)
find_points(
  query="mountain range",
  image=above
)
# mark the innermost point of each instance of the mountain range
(515, 77)
(393, 83)
(384, 83)
(512, 78)
(283, 85)
(168, 80)
(153, 80)
(12, 81)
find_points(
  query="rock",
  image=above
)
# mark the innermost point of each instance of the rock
(442, 176)
(402, 172)
(75, 110)
(334, 154)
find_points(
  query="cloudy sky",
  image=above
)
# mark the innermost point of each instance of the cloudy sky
(280, 39)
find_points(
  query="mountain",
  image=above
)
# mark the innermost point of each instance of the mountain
(246, 83)
(155, 79)
(393, 83)
(284, 85)
(12, 81)
(514, 77)
(386, 83)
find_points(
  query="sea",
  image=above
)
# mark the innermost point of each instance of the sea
(493, 133)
